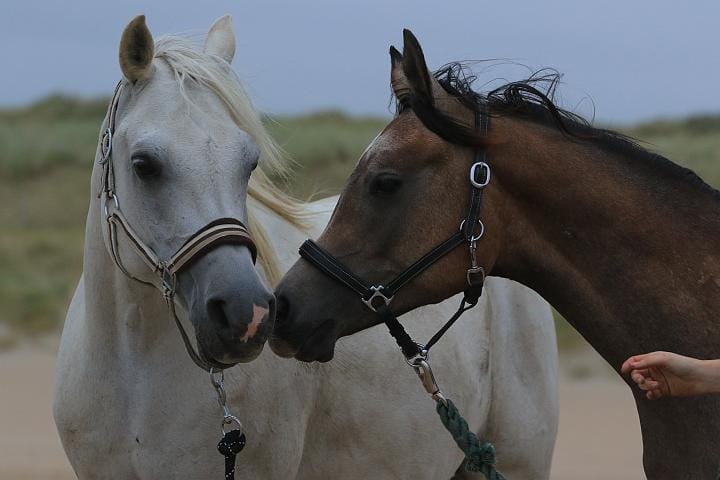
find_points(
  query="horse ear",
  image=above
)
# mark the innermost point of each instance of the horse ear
(398, 80)
(220, 40)
(415, 68)
(136, 50)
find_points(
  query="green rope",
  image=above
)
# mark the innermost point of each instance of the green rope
(480, 458)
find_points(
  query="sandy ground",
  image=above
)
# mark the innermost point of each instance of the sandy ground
(599, 432)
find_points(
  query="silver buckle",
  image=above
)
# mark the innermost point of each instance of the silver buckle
(377, 293)
(473, 170)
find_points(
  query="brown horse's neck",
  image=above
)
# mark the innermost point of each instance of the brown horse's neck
(621, 244)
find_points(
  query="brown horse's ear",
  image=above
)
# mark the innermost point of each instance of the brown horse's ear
(411, 79)
(415, 68)
(398, 80)
(136, 50)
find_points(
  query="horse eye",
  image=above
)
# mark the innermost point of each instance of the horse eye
(385, 184)
(145, 167)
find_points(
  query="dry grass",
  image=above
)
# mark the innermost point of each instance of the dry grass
(46, 151)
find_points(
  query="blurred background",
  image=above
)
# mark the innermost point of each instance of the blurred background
(319, 72)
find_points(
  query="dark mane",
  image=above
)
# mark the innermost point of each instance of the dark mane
(531, 99)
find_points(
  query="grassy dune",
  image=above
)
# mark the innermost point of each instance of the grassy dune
(46, 152)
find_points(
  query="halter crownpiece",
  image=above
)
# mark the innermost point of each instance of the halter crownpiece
(221, 231)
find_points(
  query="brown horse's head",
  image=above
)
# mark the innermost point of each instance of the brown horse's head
(407, 194)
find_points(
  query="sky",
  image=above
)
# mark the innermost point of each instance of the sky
(623, 61)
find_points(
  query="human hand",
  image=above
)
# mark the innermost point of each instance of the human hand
(662, 374)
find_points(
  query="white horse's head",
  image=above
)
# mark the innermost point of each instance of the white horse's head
(186, 142)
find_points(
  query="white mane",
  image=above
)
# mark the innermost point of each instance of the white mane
(192, 65)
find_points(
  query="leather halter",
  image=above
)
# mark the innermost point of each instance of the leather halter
(218, 232)
(378, 297)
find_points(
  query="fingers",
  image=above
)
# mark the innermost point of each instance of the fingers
(627, 365)
(644, 379)
(648, 385)
(637, 376)
(647, 360)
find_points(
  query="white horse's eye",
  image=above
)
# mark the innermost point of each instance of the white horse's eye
(145, 166)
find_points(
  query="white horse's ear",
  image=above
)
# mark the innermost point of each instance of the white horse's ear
(220, 40)
(136, 50)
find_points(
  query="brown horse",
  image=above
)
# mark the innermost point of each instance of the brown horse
(618, 239)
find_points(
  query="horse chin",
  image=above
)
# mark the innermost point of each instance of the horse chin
(316, 353)
(281, 348)
(223, 357)
(319, 345)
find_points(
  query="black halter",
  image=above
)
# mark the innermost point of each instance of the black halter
(378, 297)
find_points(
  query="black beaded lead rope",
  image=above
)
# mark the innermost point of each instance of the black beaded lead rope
(229, 446)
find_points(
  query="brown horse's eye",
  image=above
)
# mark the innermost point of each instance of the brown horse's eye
(145, 167)
(385, 184)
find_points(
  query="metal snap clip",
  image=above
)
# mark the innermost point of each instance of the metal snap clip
(427, 378)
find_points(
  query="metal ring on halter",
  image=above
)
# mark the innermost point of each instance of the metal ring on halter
(477, 237)
(421, 356)
(473, 171)
(229, 420)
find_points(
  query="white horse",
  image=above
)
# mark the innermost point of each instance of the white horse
(130, 404)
